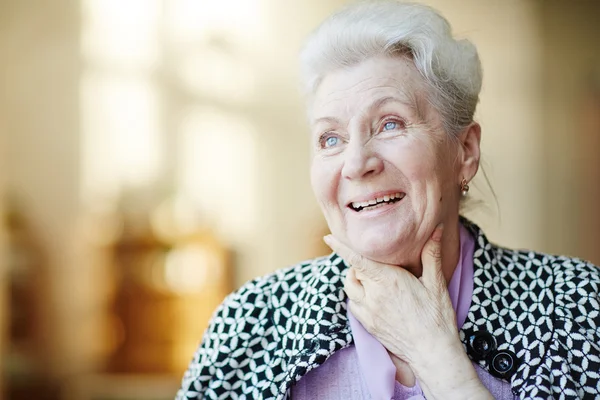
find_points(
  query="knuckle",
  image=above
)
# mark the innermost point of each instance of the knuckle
(348, 289)
(440, 286)
(354, 296)
(355, 259)
(378, 277)
(435, 251)
(369, 324)
(357, 310)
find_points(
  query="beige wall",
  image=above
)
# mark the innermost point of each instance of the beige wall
(571, 76)
(508, 38)
(4, 306)
(39, 97)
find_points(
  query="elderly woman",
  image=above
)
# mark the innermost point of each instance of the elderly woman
(414, 302)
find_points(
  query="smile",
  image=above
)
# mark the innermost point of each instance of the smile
(377, 202)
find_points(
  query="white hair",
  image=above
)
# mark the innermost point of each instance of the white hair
(450, 68)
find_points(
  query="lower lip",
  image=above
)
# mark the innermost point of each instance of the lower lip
(377, 211)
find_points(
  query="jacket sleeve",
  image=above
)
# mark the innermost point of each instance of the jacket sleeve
(571, 368)
(202, 369)
(221, 362)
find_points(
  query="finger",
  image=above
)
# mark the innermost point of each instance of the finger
(351, 258)
(431, 257)
(362, 315)
(353, 287)
(404, 374)
(362, 265)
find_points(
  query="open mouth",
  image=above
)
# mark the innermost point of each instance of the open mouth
(376, 203)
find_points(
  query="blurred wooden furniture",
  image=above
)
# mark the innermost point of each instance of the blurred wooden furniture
(122, 387)
(3, 311)
(165, 295)
(169, 277)
(24, 283)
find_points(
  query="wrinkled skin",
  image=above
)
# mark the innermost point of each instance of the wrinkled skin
(375, 134)
(414, 320)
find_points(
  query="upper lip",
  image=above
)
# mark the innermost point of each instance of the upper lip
(373, 196)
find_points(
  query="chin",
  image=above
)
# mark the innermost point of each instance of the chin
(383, 247)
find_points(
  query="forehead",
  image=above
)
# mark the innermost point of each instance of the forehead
(349, 91)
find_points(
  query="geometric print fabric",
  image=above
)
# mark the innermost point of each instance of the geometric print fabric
(271, 332)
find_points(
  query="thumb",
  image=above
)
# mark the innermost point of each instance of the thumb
(404, 373)
(362, 265)
(431, 257)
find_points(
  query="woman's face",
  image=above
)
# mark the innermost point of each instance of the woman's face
(383, 170)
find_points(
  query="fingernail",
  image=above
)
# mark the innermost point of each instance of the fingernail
(327, 239)
(437, 233)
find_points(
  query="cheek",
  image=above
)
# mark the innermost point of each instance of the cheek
(322, 179)
(425, 174)
(413, 160)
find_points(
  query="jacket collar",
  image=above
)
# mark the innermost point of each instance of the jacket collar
(323, 301)
(513, 301)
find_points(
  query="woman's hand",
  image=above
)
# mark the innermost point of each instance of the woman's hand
(413, 319)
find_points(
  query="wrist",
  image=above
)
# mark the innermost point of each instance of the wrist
(449, 374)
(437, 355)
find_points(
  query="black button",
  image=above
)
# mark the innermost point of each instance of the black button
(480, 345)
(503, 364)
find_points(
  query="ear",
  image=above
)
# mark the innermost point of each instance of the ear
(470, 151)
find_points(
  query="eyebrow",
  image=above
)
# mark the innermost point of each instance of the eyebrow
(391, 99)
(405, 100)
(411, 99)
(331, 120)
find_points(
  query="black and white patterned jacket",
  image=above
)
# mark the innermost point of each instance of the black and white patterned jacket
(270, 333)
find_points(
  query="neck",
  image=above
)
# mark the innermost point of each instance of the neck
(450, 250)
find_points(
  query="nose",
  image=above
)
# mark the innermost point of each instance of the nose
(361, 162)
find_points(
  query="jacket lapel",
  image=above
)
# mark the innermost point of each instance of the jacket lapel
(320, 324)
(509, 303)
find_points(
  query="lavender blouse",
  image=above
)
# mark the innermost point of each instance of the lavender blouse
(365, 370)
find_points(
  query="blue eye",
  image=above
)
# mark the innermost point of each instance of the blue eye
(389, 126)
(331, 141)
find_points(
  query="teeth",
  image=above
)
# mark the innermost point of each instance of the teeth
(376, 201)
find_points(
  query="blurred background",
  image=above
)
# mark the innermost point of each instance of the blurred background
(154, 156)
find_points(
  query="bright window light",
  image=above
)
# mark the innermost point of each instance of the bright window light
(121, 140)
(217, 167)
(121, 33)
(194, 20)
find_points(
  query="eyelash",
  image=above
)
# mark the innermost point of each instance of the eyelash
(325, 136)
(400, 122)
(323, 139)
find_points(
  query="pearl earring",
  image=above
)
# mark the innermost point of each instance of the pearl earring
(464, 187)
